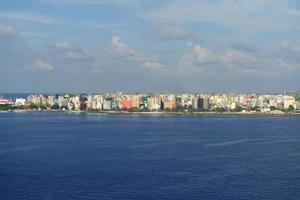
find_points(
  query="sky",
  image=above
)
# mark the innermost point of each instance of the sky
(90, 46)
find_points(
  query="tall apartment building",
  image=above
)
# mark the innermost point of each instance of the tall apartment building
(154, 103)
(135, 101)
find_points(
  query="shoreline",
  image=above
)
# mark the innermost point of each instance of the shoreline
(157, 113)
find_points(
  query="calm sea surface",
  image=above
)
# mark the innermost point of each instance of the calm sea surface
(98, 156)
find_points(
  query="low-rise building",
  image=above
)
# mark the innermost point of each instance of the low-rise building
(20, 102)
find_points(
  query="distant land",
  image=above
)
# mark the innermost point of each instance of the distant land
(201, 103)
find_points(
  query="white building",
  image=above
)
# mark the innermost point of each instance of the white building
(20, 102)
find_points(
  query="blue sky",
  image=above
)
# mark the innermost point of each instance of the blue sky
(149, 45)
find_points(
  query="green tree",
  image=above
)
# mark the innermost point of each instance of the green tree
(221, 110)
(291, 109)
(33, 106)
(273, 108)
(55, 107)
(134, 109)
(43, 107)
(7, 107)
(238, 109)
(255, 108)
(203, 110)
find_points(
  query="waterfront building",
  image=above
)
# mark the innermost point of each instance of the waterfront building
(126, 103)
(154, 103)
(297, 105)
(298, 96)
(144, 102)
(260, 101)
(98, 102)
(233, 105)
(178, 102)
(90, 102)
(116, 104)
(187, 100)
(65, 102)
(168, 105)
(60, 101)
(196, 102)
(4, 101)
(70, 106)
(20, 102)
(75, 103)
(206, 103)
(38, 100)
(107, 104)
(83, 99)
(272, 103)
(135, 101)
(288, 101)
(51, 100)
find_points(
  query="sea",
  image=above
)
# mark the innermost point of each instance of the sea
(86, 156)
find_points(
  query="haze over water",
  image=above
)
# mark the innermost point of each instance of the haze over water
(101, 156)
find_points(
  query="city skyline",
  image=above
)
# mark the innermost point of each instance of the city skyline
(91, 46)
(175, 103)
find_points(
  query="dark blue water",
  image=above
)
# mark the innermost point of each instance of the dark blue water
(98, 156)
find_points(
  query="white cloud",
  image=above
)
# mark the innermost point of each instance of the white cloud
(65, 52)
(288, 46)
(202, 55)
(121, 48)
(62, 45)
(28, 17)
(168, 32)
(238, 61)
(6, 31)
(234, 56)
(73, 55)
(294, 12)
(121, 51)
(42, 65)
(197, 58)
(291, 52)
(152, 65)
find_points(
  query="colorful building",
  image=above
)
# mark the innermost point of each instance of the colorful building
(168, 105)
(126, 103)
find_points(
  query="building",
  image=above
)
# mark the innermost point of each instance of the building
(126, 103)
(20, 102)
(74, 103)
(178, 102)
(5, 101)
(203, 103)
(83, 99)
(187, 100)
(154, 103)
(98, 102)
(38, 100)
(233, 106)
(107, 104)
(195, 103)
(60, 101)
(144, 102)
(168, 105)
(51, 100)
(135, 101)
(289, 101)
(298, 96)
